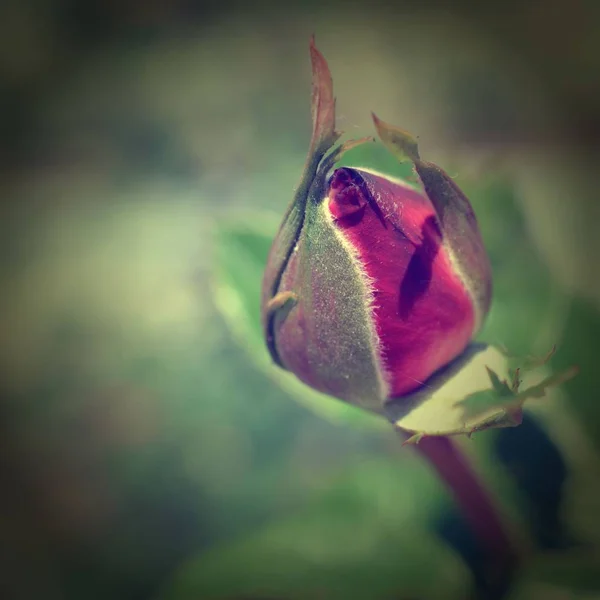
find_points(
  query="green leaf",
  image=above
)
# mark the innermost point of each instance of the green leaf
(580, 346)
(529, 310)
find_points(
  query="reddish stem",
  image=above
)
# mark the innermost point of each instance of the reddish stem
(474, 501)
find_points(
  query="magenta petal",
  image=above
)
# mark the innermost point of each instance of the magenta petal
(424, 315)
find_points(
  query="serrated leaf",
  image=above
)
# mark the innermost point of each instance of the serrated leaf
(505, 399)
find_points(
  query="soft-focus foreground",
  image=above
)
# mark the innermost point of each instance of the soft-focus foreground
(149, 447)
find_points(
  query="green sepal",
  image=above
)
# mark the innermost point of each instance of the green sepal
(493, 394)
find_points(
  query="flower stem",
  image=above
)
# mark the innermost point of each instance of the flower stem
(475, 504)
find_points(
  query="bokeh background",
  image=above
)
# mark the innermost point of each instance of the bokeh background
(147, 149)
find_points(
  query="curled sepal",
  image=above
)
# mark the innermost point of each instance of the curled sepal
(324, 134)
(454, 212)
(399, 142)
(478, 391)
(506, 399)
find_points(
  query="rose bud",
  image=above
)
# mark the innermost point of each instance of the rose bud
(371, 285)
(373, 292)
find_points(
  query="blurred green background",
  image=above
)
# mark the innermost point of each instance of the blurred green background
(148, 447)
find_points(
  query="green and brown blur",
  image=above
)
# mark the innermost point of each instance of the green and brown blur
(149, 448)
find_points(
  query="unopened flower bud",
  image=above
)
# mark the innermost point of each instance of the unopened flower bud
(372, 285)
